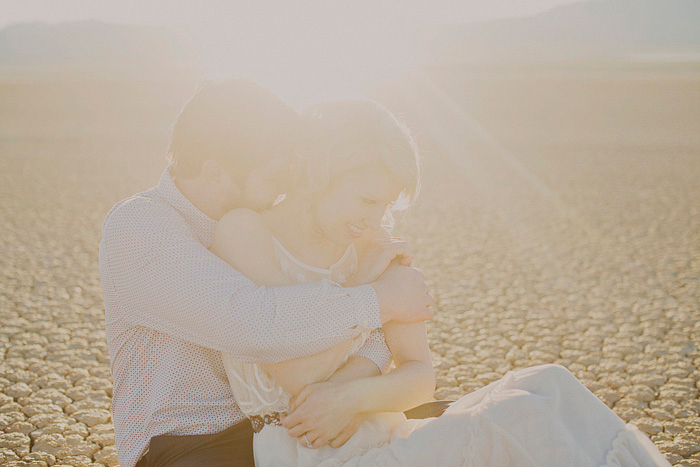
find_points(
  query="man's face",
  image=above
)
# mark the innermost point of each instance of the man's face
(263, 185)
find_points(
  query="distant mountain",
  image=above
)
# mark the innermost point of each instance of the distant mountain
(92, 44)
(592, 30)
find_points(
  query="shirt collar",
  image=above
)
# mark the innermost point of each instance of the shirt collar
(202, 225)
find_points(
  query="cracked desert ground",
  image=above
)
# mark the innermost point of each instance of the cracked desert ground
(559, 222)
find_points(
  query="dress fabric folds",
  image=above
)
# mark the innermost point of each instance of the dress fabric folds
(534, 417)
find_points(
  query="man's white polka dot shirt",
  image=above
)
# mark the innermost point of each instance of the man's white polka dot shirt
(172, 307)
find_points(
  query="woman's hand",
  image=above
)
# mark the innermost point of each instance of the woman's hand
(325, 413)
(378, 255)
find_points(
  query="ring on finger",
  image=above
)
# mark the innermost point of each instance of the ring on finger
(308, 443)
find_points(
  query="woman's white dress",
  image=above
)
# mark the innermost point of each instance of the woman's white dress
(539, 416)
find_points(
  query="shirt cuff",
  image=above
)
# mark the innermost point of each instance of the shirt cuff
(366, 306)
(376, 350)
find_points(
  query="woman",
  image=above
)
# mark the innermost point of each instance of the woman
(357, 164)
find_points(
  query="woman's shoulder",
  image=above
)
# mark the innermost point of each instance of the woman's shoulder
(243, 218)
(244, 241)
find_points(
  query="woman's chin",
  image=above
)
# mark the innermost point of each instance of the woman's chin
(342, 237)
(343, 240)
(346, 243)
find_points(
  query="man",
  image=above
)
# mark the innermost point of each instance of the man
(172, 307)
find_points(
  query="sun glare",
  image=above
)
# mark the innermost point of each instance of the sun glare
(310, 54)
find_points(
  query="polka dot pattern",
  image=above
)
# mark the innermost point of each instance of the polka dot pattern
(172, 307)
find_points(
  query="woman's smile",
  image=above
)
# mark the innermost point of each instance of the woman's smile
(355, 203)
(355, 232)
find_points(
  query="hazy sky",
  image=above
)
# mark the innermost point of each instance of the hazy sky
(317, 41)
(234, 12)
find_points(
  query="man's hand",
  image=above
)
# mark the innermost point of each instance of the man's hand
(403, 295)
(347, 432)
(324, 412)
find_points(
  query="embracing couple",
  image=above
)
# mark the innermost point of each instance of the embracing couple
(250, 328)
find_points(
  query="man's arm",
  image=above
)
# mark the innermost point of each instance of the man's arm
(374, 351)
(156, 274)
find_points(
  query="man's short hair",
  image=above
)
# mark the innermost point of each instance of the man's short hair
(236, 122)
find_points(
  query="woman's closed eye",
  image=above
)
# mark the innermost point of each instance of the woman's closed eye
(372, 202)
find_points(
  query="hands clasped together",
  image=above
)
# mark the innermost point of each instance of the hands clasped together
(323, 413)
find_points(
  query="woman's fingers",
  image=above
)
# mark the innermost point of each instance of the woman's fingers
(405, 248)
(296, 422)
(399, 250)
(318, 442)
(406, 260)
(293, 421)
(313, 440)
(341, 438)
(304, 440)
(297, 401)
(298, 431)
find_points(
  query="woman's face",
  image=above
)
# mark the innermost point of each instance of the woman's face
(354, 203)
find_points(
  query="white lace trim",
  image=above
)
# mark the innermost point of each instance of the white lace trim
(350, 250)
(301, 272)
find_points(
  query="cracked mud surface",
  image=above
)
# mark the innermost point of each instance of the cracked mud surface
(537, 251)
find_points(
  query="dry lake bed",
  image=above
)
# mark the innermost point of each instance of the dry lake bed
(559, 222)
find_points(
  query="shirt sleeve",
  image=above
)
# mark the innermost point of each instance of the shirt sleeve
(376, 350)
(155, 273)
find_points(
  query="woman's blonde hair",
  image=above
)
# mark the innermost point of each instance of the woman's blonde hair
(354, 135)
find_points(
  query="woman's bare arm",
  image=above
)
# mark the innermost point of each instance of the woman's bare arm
(413, 381)
(243, 240)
